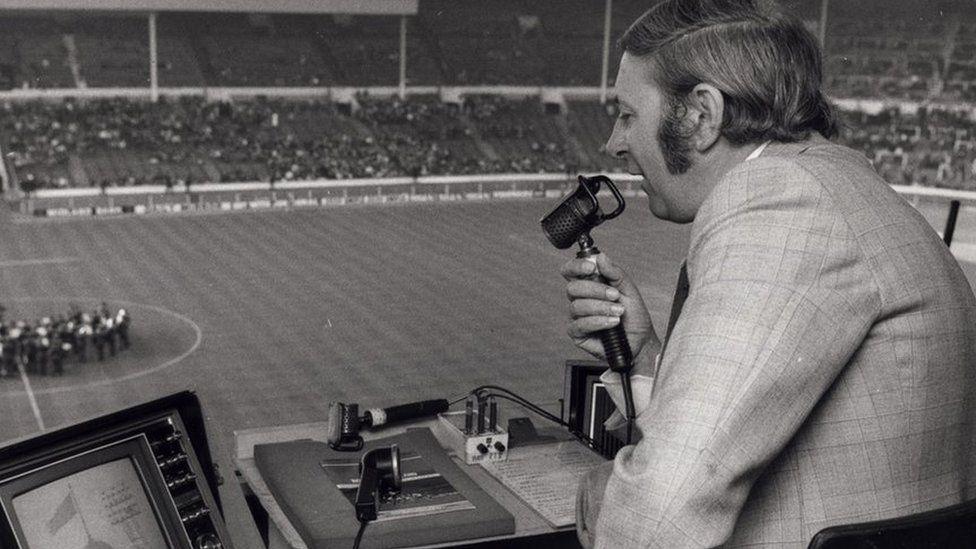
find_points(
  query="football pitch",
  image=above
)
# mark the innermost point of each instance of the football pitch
(270, 316)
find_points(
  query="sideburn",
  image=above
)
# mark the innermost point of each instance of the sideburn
(675, 143)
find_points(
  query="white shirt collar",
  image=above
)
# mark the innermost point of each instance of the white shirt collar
(759, 150)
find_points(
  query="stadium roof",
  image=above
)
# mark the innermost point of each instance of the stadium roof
(362, 7)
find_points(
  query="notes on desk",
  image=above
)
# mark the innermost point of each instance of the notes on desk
(313, 500)
(546, 476)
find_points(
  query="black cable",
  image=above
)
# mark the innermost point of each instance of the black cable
(629, 411)
(547, 416)
(523, 401)
(513, 397)
(579, 436)
(359, 535)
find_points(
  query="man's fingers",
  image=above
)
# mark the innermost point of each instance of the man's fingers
(578, 268)
(594, 307)
(591, 345)
(590, 289)
(600, 264)
(610, 272)
(585, 326)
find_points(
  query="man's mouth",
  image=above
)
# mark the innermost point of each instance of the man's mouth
(646, 187)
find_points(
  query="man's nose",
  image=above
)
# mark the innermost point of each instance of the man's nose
(613, 147)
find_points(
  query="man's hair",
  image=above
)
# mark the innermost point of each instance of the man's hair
(767, 66)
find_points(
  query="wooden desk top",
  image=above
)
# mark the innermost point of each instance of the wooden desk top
(527, 521)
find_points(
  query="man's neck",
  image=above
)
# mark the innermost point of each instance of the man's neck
(719, 161)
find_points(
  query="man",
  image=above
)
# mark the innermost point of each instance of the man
(821, 369)
(122, 320)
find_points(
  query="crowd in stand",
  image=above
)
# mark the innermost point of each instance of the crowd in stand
(45, 346)
(272, 140)
(282, 140)
(929, 147)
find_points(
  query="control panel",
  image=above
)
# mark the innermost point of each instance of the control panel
(487, 443)
(189, 495)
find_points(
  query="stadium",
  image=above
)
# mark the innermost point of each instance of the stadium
(313, 201)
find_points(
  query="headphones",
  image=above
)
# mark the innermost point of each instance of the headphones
(379, 473)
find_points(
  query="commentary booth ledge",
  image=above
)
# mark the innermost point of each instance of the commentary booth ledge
(531, 529)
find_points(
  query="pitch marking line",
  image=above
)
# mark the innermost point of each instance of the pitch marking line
(41, 261)
(30, 396)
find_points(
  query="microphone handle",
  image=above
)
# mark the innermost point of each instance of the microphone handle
(404, 412)
(616, 348)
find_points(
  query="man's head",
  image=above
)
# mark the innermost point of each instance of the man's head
(702, 80)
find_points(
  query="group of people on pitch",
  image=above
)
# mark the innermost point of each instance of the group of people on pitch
(44, 347)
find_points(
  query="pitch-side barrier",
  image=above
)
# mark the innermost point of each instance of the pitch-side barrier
(152, 199)
(159, 199)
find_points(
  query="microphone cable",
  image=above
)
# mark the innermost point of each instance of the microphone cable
(629, 410)
(359, 535)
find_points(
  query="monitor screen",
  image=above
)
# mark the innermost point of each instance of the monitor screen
(103, 506)
(102, 499)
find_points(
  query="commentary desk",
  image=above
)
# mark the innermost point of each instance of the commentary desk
(531, 530)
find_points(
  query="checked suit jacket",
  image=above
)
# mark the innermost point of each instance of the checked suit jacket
(822, 370)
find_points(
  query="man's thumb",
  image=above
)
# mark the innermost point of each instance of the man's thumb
(610, 272)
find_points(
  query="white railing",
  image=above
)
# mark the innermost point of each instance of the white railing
(73, 192)
(954, 198)
(910, 190)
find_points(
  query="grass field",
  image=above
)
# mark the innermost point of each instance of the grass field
(271, 316)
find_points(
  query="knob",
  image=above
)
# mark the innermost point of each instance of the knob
(194, 515)
(499, 446)
(207, 541)
(175, 436)
(171, 461)
(482, 448)
(180, 481)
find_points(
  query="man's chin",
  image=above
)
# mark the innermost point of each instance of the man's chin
(657, 208)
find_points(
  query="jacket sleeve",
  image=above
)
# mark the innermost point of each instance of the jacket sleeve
(781, 298)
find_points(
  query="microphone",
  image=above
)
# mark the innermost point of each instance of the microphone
(379, 472)
(345, 423)
(571, 222)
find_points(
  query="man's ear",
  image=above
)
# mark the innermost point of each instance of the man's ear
(706, 107)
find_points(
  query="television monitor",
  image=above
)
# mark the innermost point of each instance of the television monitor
(133, 479)
(590, 405)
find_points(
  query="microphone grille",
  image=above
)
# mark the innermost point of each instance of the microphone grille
(564, 225)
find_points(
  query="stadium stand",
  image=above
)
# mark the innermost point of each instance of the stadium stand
(515, 42)
(896, 56)
(37, 57)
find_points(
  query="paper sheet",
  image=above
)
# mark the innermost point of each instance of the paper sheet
(424, 492)
(546, 476)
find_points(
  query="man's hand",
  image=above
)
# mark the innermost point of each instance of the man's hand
(589, 497)
(600, 304)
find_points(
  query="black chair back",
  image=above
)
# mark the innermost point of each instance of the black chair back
(949, 527)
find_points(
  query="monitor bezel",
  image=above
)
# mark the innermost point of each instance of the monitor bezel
(135, 447)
